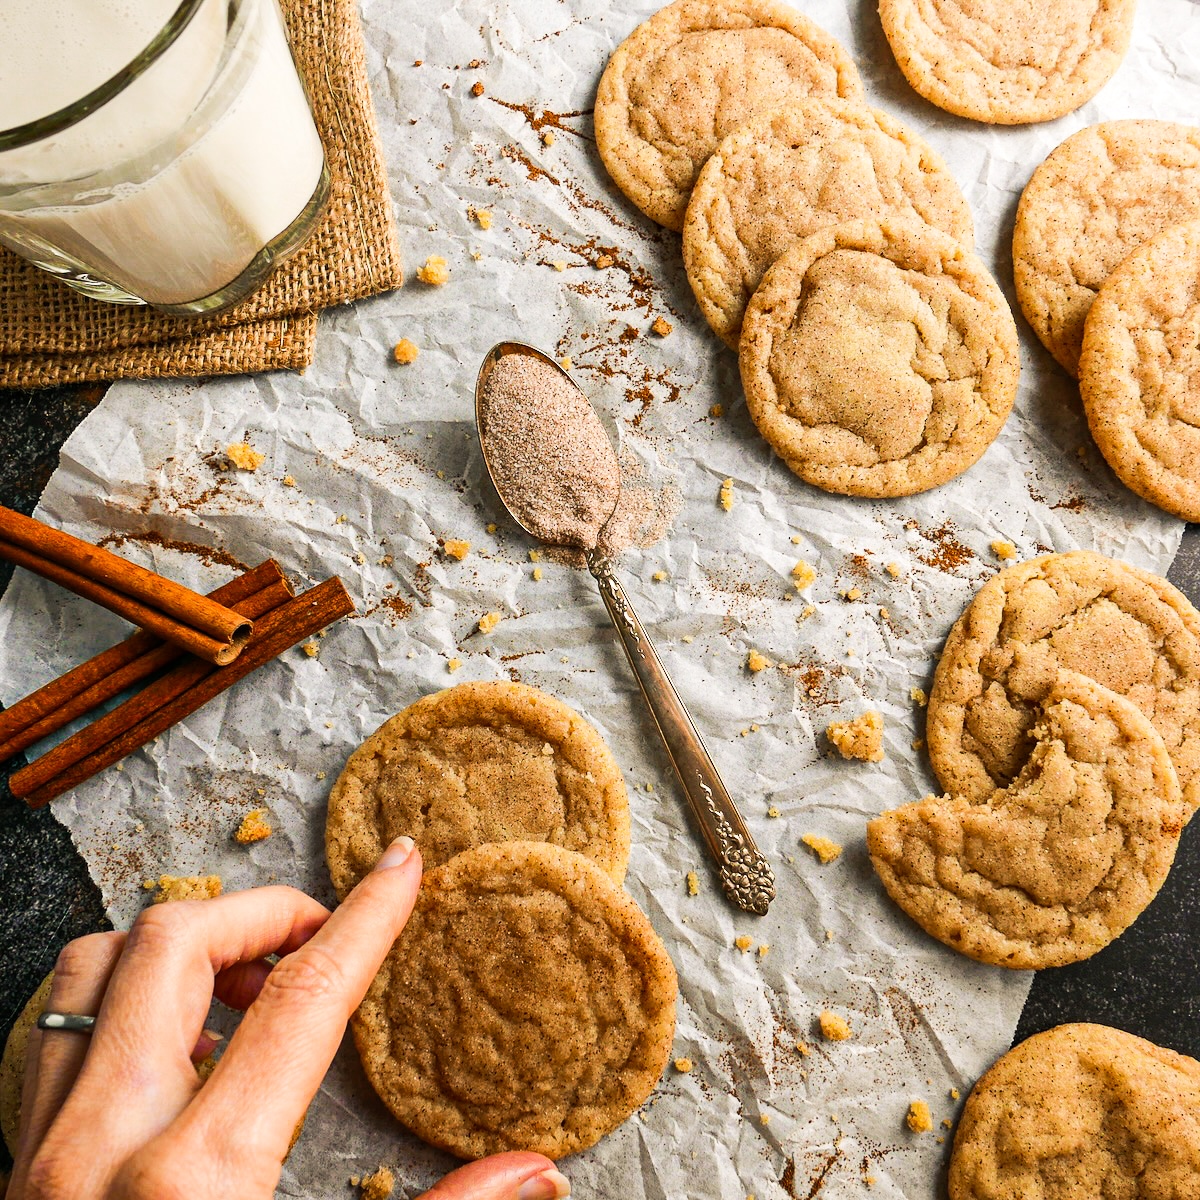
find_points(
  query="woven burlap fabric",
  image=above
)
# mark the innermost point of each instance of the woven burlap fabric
(50, 334)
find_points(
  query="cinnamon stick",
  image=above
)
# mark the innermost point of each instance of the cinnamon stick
(121, 666)
(177, 694)
(197, 623)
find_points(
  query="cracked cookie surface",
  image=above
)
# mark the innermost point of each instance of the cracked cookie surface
(1077, 1112)
(1098, 196)
(879, 358)
(528, 1005)
(691, 75)
(1050, 869)
(1139, 373)
(1007, 63)
(1129, 630)
(820, 163)
(481, 762)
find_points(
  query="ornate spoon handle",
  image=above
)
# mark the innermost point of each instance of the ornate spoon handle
(745, 874)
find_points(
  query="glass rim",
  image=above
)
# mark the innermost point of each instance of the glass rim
(71, 114)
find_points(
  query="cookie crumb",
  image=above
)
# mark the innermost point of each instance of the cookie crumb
(833, 1027)
(826, 849)
(535, 556)
(893, 569)
(725, 496)
(683, 1065)
(185, 887)
(917, 743)
(1004, 550)
(919, 1119)
(687, 639)
(756, 662)
(489, 621)
(954, 1093)
(453, 664)
(947, 1123)
(744, 943)
(604, 261)
(453, 548)
(659, 576)
(852, 594)
(764, 950)
(717, 410)
(807, 612)
(537, 574)
(312, 649)
(288, 481)
(662, 326)
(435, 272)
(802, 1048)
(565, 362)
(803, 575)
(481, 216)
(918, 697)
(375, 1187)
(254, 827)
(477, 89)
(869, 1180)
(861, 738)
(559, 265)
(773, 811)
(243, 456)
(796, 539)
(764, 1118)
(405, 352)
(548, 137)
(693, 884)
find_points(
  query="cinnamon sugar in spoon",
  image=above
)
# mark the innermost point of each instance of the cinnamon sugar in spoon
(557, 474)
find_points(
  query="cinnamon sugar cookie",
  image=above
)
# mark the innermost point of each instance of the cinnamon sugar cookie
(1050, 869)
(1139, 374)
(1097, 197)
(528, 1005)
(481, 762)
(1129, 630)
(789, 173)
(1008, 63)
(692, 74)
(879, 358)
(1077, 1112)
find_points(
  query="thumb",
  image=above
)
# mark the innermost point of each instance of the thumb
(518, 1175)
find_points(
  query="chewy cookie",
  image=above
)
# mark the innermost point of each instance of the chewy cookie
(1050, 869)
(1007, 64)
(528, 1005)
(691, 75)
(1098, 196)
(879, 358)
(788, 173)
(481, 762)
(1139, 374)
(1078, 1112)
(1129, 630)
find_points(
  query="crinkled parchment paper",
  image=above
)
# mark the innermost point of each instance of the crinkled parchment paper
(384, 463)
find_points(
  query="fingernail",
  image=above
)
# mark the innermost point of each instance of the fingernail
(549, 1185)
(213, 1036)
(396, 855)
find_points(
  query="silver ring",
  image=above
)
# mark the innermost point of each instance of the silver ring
(70, 1022)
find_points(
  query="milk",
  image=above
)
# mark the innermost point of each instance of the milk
(171, 189)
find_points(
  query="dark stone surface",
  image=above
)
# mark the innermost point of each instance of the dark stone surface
(1147, 982)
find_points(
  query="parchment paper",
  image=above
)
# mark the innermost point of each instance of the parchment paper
(384, 464)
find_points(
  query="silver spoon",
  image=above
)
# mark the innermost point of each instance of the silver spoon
(745, 874)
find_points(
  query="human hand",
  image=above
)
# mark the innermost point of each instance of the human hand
(122, 1115)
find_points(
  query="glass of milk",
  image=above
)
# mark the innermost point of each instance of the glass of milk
(153, 151)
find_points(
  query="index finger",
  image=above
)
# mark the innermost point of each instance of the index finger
(288, 1038)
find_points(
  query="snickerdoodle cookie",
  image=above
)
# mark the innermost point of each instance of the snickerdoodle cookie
(481, 762)
(788, 173)
(1077, 1112)
(1050, 869)
(528, 1005)
(1129, 630)
(1139, 374)
(879, 358)
(1008, 63)
(1097, 197)
(692, 74)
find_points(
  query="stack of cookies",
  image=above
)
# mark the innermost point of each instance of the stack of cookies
(824, 241)
(1063, 725)
(528, 1004)
(1106, 256)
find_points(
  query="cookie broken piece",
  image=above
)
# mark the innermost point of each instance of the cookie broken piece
(1052, 868)
(185, 887)
(528, 1005)
(255, 827)
(860, 738)
(1081, 1111)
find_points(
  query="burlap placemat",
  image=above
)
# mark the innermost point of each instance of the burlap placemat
(51, 334)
